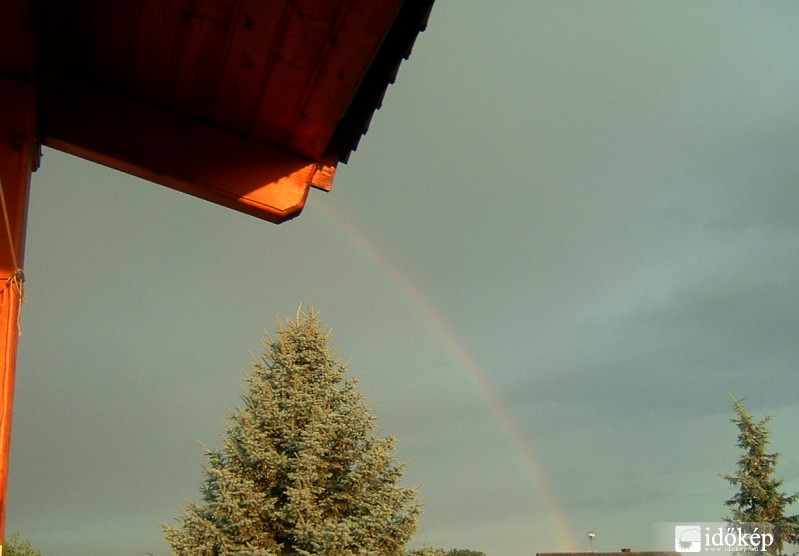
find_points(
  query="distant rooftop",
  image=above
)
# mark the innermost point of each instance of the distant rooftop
(625, 551)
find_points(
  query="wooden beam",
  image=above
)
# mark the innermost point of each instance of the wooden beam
(18, 158)
(324, 51)
(246, 68)
(203, 30)
(344, 62)
(173, 150)
(307, 29)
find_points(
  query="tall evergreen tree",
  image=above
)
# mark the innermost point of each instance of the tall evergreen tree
(759, 498)
(301, 470)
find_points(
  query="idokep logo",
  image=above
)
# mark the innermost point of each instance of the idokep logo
(688, 538)
(720, 537)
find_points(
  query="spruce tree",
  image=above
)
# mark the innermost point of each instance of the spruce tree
(301, 469)
(759, 499)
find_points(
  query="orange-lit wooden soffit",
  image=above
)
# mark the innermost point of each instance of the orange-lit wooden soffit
(245, 103)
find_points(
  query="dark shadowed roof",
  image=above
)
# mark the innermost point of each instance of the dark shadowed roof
(200, 94)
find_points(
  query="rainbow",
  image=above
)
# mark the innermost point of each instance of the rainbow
(521, 442)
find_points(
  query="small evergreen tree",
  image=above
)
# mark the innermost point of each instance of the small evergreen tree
(15, 546)
(759, 498)
(301, 470)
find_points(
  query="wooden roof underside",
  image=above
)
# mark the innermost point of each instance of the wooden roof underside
(246, 103)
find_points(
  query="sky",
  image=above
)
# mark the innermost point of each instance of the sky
(571, 232)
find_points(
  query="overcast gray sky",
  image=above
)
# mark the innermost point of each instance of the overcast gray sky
(571, 230)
